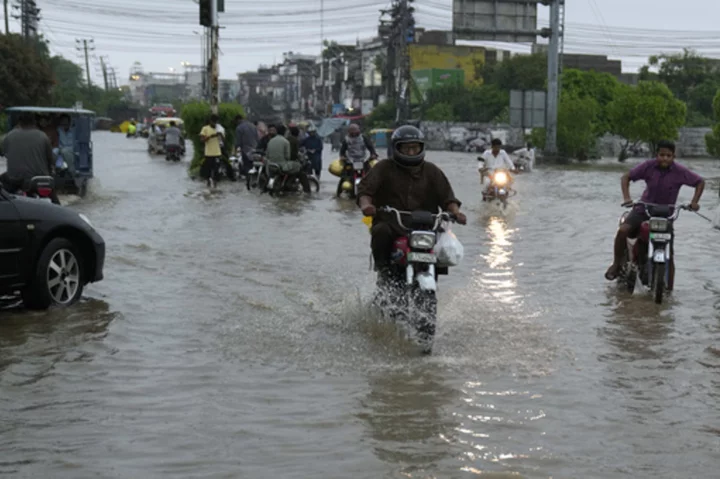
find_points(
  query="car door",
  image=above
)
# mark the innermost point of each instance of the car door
(13, 236)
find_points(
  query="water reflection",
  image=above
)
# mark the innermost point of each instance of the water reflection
(406, 417)
(636, 327)
(496, 276)
(35, 341)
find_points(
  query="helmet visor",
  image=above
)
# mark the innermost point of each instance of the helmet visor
(410, 148)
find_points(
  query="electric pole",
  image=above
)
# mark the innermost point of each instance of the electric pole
(104, 72)
(555, 34)
(29, 17)
(209, 10)
(7, 19)
(85, 46)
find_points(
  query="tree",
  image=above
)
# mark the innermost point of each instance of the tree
(25, 74)
(440, 112)
(470, 104)
(602, 87)
(519, 72)
(712, 139)
(383, 116)
(577, 128)
(692, 78)
(648, 112)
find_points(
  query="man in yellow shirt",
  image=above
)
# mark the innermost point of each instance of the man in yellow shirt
(213, 152)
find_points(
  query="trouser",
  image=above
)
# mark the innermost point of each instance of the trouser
(247, 162)
(210, 166)
(383, 236)
(316, 162)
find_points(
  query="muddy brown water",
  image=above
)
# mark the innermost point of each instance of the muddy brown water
(230, 338)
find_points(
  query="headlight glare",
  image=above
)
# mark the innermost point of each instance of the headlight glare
(659, 224)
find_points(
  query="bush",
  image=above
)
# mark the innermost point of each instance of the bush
(196, 114)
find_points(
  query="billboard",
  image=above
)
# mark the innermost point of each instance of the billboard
(449, 57)
(426, 79)
(512, 21)
(527, 108)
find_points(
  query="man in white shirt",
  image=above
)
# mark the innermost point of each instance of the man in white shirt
(493, 159)
(525, 157)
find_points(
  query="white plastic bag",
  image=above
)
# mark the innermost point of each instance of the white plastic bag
(449, 249)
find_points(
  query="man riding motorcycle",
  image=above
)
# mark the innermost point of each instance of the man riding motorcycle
(173, 140)
(356, 146)
(29, 154)
(494, 159)
(663, 178)
(406, 182)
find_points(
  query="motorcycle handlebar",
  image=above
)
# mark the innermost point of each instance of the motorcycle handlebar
(677, 207)
(440, 216)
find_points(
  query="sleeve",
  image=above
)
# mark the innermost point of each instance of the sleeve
(204, 131)
(444, 189)
(508, 161)
(640, 171)
(370, 185)
(343, 148)
(690, 178)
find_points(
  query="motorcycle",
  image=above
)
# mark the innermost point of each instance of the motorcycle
(257, 175)
(410, 286)
(40, 187)
(499, 188)
(352, 175)
(172, 153)
(280, 182)
(656, 236)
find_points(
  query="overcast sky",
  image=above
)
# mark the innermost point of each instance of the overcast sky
(161, 34)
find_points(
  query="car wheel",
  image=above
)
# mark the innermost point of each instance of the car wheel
(58, 278)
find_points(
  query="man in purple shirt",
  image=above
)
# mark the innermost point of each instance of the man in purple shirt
(663, 179)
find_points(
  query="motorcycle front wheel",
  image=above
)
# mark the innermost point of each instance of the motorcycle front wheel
(423, 314)
(658, 282)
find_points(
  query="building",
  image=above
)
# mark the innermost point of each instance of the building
(598, 63)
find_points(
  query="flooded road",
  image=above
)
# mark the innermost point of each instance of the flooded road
(229, 340)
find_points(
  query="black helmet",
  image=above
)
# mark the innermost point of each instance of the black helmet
(407, 134)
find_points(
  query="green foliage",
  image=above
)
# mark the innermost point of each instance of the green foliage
(712, 139)
(577, 127)
(468, 103)
(647, 113)
(519, 72)
(196, 115)
(440, 112)
(601, 87)
(692, 78)
(383, 116)
(25, 74)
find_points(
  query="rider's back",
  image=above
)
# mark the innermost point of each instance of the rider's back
(27, 152)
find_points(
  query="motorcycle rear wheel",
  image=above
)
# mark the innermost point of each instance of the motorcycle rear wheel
(314, 183)
(658, 282)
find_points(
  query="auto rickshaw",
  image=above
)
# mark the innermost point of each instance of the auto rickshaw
(73, 164)
(156, 142)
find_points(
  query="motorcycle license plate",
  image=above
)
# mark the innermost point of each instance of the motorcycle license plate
(422, 258)
(661, 236)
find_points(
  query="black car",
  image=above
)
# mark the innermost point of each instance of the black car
(48, 253)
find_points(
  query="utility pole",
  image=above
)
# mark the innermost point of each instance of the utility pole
(322, 57)
(215, 61)
(29, 16)
(553, 77)
(407, 36)
(7, 19)
(104, 72)
(87, 46)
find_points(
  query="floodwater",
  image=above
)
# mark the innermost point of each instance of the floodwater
(230, 339)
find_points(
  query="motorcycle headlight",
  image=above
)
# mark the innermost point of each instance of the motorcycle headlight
(659, 224)
(422, 240)
(500, 178)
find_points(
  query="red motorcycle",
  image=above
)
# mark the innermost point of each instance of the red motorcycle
(650, 254)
